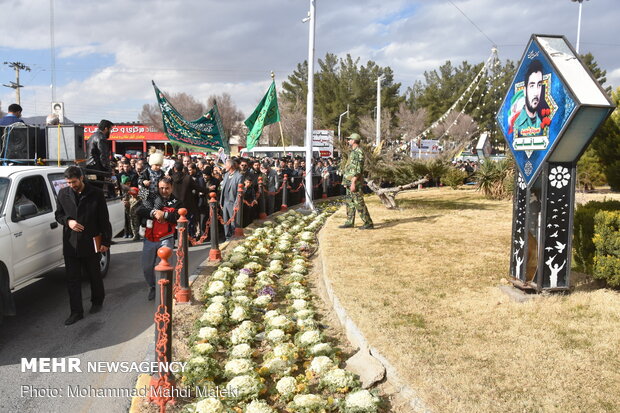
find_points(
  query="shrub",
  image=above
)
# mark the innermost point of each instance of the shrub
(583, 231)
(454, 177)
(607, 244)
(495, 178)
(590, 171)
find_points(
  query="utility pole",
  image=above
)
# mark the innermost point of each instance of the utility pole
(310, 102)
(378, 141)
(15, 85)
(578, 23)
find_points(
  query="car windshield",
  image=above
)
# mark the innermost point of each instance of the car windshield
(4, 189)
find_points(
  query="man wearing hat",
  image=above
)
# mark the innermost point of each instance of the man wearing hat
(353, 180)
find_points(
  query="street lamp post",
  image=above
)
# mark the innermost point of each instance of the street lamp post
(310, 103)
(379, 79)
(340, 120)
(578, 23)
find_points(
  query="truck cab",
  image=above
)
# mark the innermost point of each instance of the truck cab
(30, 237)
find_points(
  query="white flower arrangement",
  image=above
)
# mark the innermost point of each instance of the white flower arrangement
(299, 293)
(253, 266)
(216, 288)
(361, 401)
(242, 278)
(217, 299)
(287, 351)
(240, 249)
(209, 405)
(219, 275)
(262, 282)
(244, 387)
(320, 349)
(283, 246)
(258, 406)
(280, 321)
(295, 284)
(299, 268)
(242, 334)
(295, 277)
(271, 313)
(239, 287)
(242, 300)
(239, 313)
(286, 386)
(207, 333)
(241, 351)
(299, 304)
(213, 319)
(261, 251)
(276, 336)
(277, 365)
(262, 300)
(203, 349)
(238, 367)
(338, 379)
(321, 364)
(304, 314)
(303, 403)
(309, 338)
(216, 308)
(306, 324)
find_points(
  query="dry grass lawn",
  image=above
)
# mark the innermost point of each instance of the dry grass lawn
(423, 287)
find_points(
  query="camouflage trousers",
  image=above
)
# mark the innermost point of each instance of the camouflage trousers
(355, 201)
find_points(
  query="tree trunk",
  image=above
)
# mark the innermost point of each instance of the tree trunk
(388, 195)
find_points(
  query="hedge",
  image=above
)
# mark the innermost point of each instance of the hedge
(583, 231)
(607, 247)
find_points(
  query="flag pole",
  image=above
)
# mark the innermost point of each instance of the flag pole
(273, 79)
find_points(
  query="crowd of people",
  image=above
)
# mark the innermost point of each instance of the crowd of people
(195, 178)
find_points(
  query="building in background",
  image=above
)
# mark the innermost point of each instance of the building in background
(132, 137)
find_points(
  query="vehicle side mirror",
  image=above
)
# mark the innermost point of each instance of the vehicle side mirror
(26, 210)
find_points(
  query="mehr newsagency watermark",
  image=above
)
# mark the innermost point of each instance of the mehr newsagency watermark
(87, 391)
(57, 365)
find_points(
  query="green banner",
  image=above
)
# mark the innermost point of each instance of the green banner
(203, 133)
(265, 114)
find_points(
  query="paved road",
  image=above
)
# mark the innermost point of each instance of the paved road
(122, 331)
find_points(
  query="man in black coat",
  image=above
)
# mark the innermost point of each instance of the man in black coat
(82, 210)
(98, 152)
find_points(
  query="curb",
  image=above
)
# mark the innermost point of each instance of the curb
(357, 339)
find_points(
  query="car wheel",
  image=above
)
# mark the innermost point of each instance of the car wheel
(7, 304)
(104, 263)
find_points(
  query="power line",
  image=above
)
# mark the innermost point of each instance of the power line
(472, 22)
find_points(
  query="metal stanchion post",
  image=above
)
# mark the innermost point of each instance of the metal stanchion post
(284, 206)
(162, 380)
(262, 199)
(214, 254)
(183, 294)
(324, 187)
(239, 218)
(303, 195)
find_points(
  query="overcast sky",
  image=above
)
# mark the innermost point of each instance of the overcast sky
(108, 52)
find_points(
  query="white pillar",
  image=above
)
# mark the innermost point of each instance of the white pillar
(310, 105)
(579, 25)
(379, 79)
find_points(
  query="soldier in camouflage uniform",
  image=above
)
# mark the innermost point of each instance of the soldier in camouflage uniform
(353, 181)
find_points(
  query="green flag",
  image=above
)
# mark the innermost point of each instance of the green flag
(203, 133)
(265, 114)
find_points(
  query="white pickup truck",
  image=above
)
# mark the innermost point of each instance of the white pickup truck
(31, 241)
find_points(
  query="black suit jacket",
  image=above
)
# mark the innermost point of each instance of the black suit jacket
(92, 213)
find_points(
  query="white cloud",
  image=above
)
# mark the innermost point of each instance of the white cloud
(110, 51)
